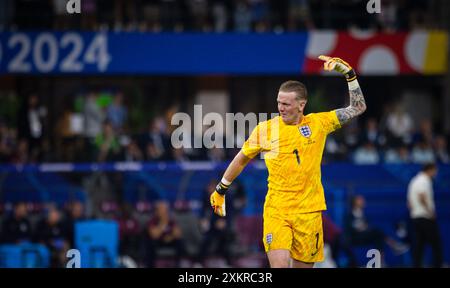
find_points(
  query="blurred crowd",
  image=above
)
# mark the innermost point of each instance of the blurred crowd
(28, 223)
(148, 231)
(98, 131)
(220, 15)
(394, 138)
(95, 127)
(164, 234)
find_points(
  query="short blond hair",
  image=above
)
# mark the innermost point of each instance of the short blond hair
(297, 87)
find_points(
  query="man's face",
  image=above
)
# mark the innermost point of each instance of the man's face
(433, 172)
(53, 216)
(162, 209)
(290, 109)
(359, 202)
(77, 210)
(21, 210)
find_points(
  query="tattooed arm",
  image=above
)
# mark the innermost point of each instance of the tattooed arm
(357, 104)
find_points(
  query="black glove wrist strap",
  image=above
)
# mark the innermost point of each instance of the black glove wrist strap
(222, 188)
(350, 75)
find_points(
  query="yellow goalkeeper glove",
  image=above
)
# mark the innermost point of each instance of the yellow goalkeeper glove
(339, 65)
(217, 199)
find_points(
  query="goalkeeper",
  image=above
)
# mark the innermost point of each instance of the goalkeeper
(293, 144)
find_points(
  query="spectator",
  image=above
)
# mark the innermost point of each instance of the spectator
(93, 119)
(372, 134)
(130, 232)
(132, 152)
(125, 14)
(107, 144)
(31, 125)
(220, 13)
(334, 150)
(151, 16)
(423, 214)
(155, 141)
(361, 233)
(398, 155)
(422, 153)
(242, 17)
(238, 197)
(51, 232)
(6, 143)
(20, 155)
(199, 11)
(299, 15)
(399, 124)
(260, 15)
(94, 116)
(65, 135)
(418, 14)
(441, 150)
(387, 19)
(218, 231)
(163, 232)
(366, 154)
(117, 113)
(338, 241)
(76, 213)
(351, 134)
(152, 153)
(17, 228)
(425, 133)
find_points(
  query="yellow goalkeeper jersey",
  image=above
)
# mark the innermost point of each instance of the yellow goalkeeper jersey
(293, 154)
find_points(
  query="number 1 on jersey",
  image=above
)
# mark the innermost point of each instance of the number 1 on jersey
(296, 155)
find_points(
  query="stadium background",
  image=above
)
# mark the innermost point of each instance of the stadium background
(133, 64)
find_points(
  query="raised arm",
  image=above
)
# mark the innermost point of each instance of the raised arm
(357, 103)
(235, 168)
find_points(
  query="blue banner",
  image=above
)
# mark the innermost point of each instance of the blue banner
(146, 53)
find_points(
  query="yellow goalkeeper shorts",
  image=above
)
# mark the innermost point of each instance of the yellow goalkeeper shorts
(302, 234)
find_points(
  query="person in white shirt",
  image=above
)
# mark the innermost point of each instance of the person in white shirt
(423, 214)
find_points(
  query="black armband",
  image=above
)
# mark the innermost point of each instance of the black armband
(222, 188)
(350, 75)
